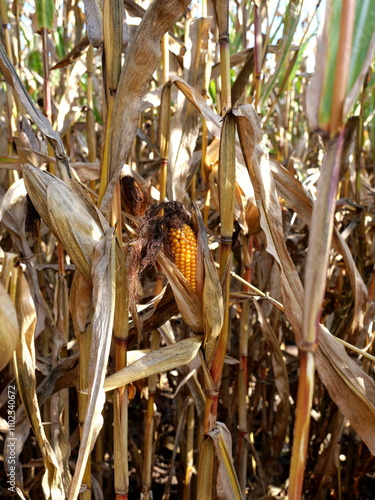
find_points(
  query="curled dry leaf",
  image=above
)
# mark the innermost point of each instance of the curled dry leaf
(104, 280)
(154, 316)
(227, 485)
(67, 215)
(246, 212)
(40, 120)
(143, 55)
(161, 360)
(291, 189)
(206, 466)
(348, 385)
(320, 237)
(9, 330)
(12, 216)
(52, 483)
(185, 124)
(94, 23)
(74, 54)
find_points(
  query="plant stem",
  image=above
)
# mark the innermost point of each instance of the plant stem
(90, 119)
(257, 55)
(302, 424)
(113, 32)
(149, 427)
(226, 194)
(190, 423)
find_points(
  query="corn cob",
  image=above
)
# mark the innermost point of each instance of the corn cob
(183, 246)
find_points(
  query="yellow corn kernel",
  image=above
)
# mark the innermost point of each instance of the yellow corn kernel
(183, 245)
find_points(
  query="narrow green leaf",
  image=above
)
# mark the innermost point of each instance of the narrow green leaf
(44, 13)
(364, 28)
(363, 46)
(291, 19)
(333, 15)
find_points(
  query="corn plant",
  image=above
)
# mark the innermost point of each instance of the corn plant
(187, 250)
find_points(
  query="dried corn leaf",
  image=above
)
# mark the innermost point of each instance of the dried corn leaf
(214, 124)
(235, 59)
(62, 376)
(161, 360)
(94, 22)
(73, 226)
(143, 56)
(74, 54)
(9, 330)
(292, 191)
(242, 79)
(227, 485)
(185, 124)
(348, 385)
(213, 120)
(104, 306)
(206, 481)
(25, 374)
(153, 317)
(134, 8)
(12, 216)
(36, 183)
(41, 121)
(227, 173)
(320, 237)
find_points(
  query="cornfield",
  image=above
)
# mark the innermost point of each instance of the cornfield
(187, 255)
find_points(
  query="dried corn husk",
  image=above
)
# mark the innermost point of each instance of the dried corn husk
(67, 215)
(9, 329)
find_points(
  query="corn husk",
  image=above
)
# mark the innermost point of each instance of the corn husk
(67, 215)
(9, 329)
